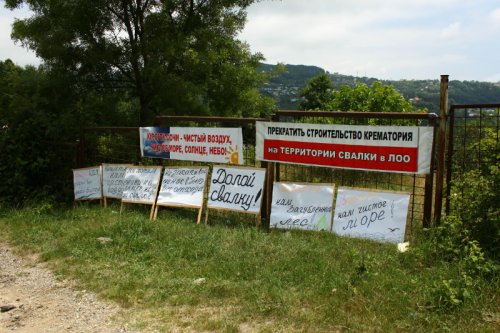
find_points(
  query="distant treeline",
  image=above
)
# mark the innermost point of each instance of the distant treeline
(285, 87)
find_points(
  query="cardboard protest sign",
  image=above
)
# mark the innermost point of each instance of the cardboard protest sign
(403, 149)
(238, 189)
(140, 184)
(373, 215)
(202, 144)
(113, 180)
(87, 183)
(182, 186)
(302, 206)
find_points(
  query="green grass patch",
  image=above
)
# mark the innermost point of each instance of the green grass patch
(231, 277)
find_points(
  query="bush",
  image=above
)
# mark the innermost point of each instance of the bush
(452, 243)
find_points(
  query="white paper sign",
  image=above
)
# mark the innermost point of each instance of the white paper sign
(238, 189)
(183, 187)
(302, 206)
(112, 180)
(373, 215)
(141, 184)
(87, 183)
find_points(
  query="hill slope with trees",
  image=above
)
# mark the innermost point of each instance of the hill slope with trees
(285, 87)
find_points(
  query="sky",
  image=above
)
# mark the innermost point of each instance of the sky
(385, 39)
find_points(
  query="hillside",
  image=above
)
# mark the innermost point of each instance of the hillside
(286, 86)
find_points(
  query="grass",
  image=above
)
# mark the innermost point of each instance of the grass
(232, 277)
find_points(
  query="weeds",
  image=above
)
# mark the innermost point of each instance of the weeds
(277, 281)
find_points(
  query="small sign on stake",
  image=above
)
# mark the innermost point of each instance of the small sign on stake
(141, 186)
(237, 189)
(183, 187)
(87, 183)
(112, 181)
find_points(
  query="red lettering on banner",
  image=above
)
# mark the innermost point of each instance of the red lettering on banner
(404, 159)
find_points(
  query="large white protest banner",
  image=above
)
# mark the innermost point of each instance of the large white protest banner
(373, 215)
(402, 149)
(202, 144)
(302, 206)
(87, 183)
(238, 189)
(183, 186)
(113, 180)
(140, 184)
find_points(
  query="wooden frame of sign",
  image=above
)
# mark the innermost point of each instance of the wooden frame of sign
(103, 178)
(176, 182)
(242, 182)
(135, 194)
(88, 197)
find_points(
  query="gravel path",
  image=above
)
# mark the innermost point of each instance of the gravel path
(32, 300)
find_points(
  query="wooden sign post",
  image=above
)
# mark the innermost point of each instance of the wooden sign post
(140, 185)
(183, 187)
(237, 189)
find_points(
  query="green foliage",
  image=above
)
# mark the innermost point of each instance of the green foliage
(175, 56)
(474, 190)
(452, 243)
(41, 113)
(317, 94)
(377, 98)
(423, 94)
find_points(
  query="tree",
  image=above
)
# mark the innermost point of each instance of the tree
(317, 94)
(377, 98)
(173, 54)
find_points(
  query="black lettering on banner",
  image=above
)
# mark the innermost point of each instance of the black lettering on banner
(240, 188)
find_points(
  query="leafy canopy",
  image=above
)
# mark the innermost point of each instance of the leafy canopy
(317, 93)
(174, 55)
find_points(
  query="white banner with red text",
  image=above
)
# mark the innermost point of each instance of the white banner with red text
(403, 149)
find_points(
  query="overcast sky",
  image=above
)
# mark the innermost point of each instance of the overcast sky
(386, 39)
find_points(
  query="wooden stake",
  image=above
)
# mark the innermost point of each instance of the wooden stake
(198, 221)
(206, 217)
(156, 212)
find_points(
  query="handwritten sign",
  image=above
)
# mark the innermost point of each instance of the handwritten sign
(183, 186)
(373, 215)
(87, 183)
(140, 184)
(302, 206)
(238, 189)
(112, 180)
(202, 144)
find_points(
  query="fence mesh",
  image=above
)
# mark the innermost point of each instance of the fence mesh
(472, 147)
(408, 183)
(121, 145)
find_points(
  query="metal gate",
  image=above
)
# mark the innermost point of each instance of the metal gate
(472, 146)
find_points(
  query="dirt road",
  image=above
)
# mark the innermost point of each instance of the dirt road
(33, 300)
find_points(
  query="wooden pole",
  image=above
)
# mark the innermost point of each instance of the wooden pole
(441, 143)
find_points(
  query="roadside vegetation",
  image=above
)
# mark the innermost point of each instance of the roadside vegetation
(230, 276)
